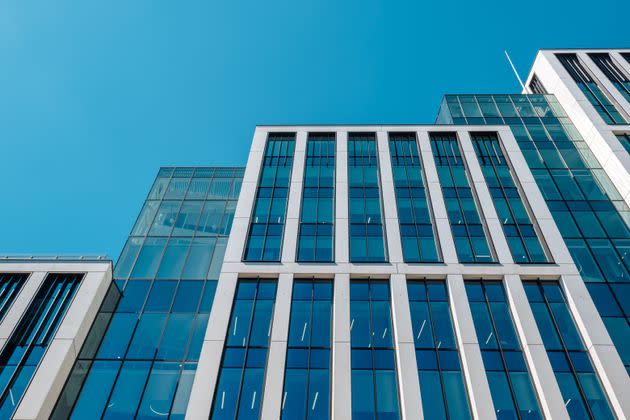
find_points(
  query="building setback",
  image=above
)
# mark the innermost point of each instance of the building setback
(475, 268)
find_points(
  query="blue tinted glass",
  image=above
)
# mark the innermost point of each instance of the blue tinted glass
(471, 242)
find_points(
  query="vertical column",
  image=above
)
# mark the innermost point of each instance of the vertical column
(606, 360)
(486, 206)
(272, 397)
(289, 242)
(394, 246)
(243, 211)
(474, 371)
(549, 395)
(408, 381)
(342, 229)
(341, 397)
(436, 199)
(205, 382)
(20, 305)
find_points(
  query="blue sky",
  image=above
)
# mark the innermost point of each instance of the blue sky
(95, 96)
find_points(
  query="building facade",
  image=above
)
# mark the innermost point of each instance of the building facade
(474, 268)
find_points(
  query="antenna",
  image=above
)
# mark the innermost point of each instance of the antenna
(514, 69)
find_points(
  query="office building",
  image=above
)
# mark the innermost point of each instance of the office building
(472, 268)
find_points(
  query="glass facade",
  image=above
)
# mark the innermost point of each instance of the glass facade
(10, 286)
(373, 366)
(306, 392)
(591, 89)
(264, 240)
(536, 86)
(414, 216)
(592, 216)
(30, 339)
(467, 226)
(520, 233)
(239, 389)
(141, 354)
(439, 369)
(511, 386)
(616, 76)
(582, 392)
(317, 218)
(367, 234)
(624, 139)
(626, 56)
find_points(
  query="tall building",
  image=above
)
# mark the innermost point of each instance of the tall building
(474, 268)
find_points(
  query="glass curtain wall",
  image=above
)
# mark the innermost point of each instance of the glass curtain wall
(141, 355)
(306, 392)
(520, 233)
(511, 386)
(592, 216)
(469, 233)
(374, 383)
(30, 339)
(239, 391)
(442, 385)
(317, 218)
(616, 76)
(10, 286)
(264, 241)
(367, 234)
(414, 216)
(589, 87)
(581, 389)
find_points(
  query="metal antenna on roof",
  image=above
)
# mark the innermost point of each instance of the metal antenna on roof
(514, 69)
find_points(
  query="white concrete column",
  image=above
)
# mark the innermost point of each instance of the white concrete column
(390, 211)
(292, 221)
(408, 380)
(341, 393)
(272, 394)
(204, 385)
(472, 363)
(342, 228)
(542, 375)
(444, 237)
(20, 304)
(44, 389)
(485, 205)
(606, 360)
(244, 206)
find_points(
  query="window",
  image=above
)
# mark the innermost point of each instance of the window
(264, 241)
(317, 219)
(467, 226)
(414, 215)
(536, 86)
(367, 236)
(616, 76)
(580, 387)
(520, 233)
(29, 341)
(624, 139)
(141, 352)
(510, 383)
(589, 211)
(307, 376)
(10, 286)
(590, 89)
(242, 374)
(439, 368)
(374, 383)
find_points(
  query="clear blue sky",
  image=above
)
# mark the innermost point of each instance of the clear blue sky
(95, 96)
